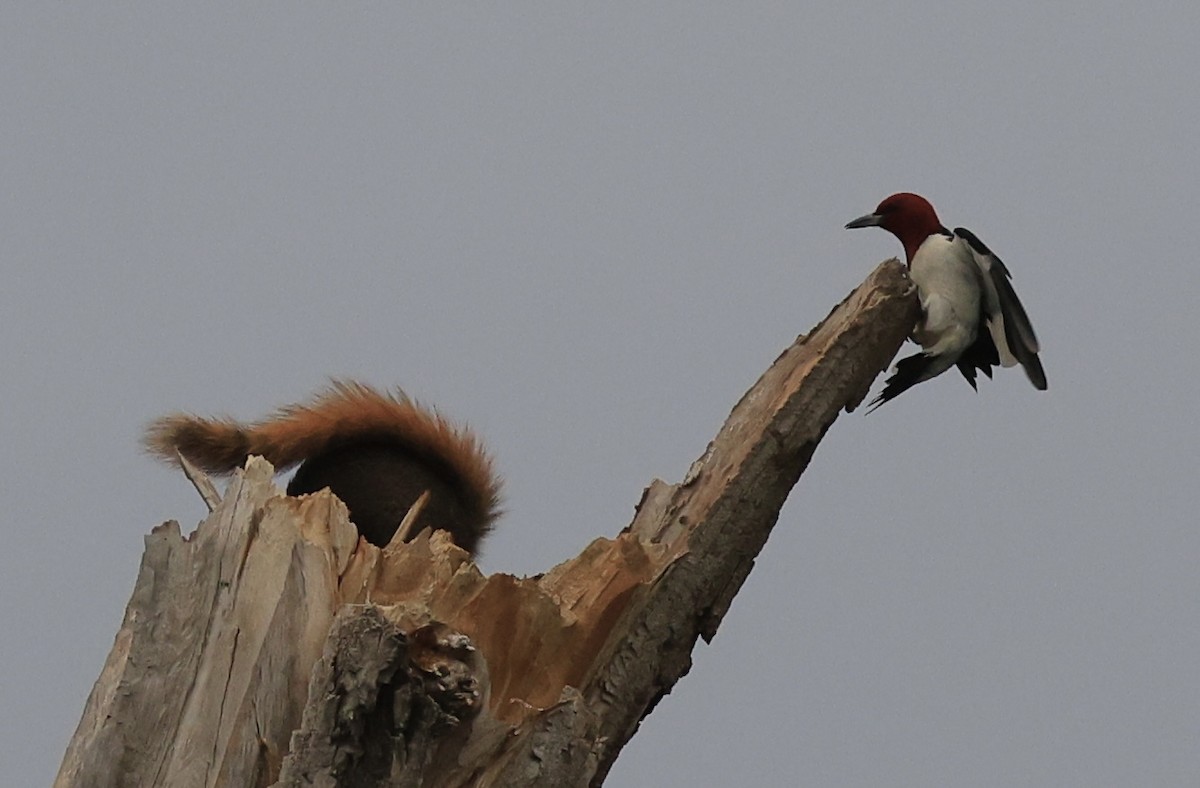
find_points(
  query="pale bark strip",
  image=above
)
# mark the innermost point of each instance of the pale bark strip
(201, 481)
(206, 680)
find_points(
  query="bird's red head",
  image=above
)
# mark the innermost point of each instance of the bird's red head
(907, 216)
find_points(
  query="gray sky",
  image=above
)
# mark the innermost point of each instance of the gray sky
(586, 232)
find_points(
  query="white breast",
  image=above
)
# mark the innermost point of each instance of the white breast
(948, 284)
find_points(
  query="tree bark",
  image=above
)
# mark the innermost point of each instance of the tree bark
(272, 646)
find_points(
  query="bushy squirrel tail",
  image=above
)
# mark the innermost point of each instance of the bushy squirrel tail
(378, 452)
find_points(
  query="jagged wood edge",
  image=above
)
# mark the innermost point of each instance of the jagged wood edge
(712, 525)
(718, 519)
(200, 480)
(708, 529)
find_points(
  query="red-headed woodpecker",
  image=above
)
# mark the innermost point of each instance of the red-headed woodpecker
(971, 316)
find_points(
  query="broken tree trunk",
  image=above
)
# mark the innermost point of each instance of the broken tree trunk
(272, 646)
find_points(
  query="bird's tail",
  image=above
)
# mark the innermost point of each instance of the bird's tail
(910, 371)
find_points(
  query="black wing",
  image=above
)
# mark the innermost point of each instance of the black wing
(1007, 321)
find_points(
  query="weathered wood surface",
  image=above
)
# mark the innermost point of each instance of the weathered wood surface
(226, 661)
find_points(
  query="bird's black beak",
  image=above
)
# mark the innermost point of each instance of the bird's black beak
(870, 220)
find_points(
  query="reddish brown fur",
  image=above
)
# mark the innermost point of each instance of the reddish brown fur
(347, 414)
(910, 218)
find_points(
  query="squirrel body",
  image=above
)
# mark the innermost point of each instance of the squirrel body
(379, 453)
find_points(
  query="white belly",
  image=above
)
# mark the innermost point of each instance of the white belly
(948, 285)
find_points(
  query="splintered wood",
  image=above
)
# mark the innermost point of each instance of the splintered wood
(229, 668)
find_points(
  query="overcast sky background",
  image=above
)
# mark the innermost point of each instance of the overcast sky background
(586, 232)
